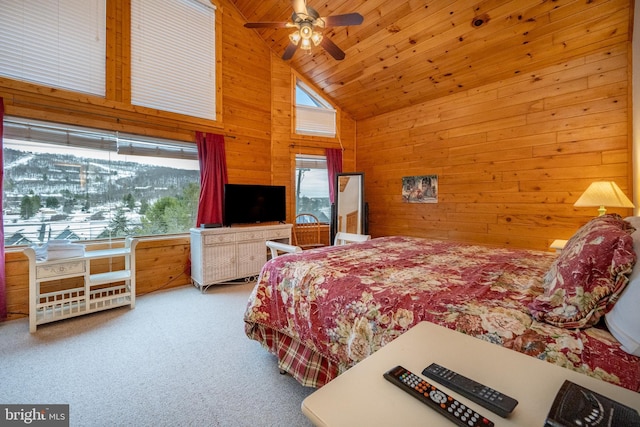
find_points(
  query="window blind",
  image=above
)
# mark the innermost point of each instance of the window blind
(68, 136)
(58, 43)
(97, 139)
(311, 162)
(173, 56)
(315, 121)
(144, 146)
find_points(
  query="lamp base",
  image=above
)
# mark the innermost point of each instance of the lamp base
(602, 210)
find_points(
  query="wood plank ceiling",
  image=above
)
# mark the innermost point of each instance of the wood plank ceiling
(407, 52)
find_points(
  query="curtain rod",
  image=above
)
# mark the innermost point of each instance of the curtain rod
(292, 145)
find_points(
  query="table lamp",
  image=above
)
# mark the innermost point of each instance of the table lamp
(604, 193)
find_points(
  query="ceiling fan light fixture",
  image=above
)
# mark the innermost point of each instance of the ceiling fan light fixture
(305, 44)
(316, 38)
(295, 37)
(306, 30)
(305, 20)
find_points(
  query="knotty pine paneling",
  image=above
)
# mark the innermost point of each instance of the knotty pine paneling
(511, 157)
(408, 52)
(249, 84)
(285, 145)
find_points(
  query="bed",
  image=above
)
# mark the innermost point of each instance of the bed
(324, 310)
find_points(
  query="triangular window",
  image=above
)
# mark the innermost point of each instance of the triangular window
(314, 115)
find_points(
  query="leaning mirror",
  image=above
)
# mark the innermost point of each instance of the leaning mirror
(349, 205)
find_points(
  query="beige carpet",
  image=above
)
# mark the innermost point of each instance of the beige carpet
(180, 358)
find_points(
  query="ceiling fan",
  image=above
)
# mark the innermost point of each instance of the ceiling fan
(305, 20)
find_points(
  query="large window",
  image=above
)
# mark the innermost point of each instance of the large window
(63, 182)
(314, 115)
(173, 56)
(59, 43)
(312, 187)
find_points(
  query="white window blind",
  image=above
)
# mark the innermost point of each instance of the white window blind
(314, 115)
(64, 135)
(136, 145)
(96, 139)
(173, 56)
(58, 43)
(315, 121)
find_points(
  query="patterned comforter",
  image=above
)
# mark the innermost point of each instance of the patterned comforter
(322, 311)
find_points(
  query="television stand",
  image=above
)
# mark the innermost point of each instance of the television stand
(221, 255)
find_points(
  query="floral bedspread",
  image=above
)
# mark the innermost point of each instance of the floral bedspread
(346, 302)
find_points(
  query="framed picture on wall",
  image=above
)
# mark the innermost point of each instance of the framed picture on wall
(420, 189)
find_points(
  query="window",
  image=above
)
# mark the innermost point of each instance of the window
(314, 115)
(64, 182)
(312, 187)
(173, 56)
(59, 43)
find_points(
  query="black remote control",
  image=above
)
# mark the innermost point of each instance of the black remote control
(436, 399)
(491, 399)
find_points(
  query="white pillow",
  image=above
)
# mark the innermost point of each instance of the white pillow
(623, 320)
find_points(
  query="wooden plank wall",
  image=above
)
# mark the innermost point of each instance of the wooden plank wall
(511, 157)
(286, 145)
(245, 103)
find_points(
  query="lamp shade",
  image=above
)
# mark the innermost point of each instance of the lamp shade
(604, 193)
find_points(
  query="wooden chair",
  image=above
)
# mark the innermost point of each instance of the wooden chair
(343, 238)
(306, 231)
(277, 247)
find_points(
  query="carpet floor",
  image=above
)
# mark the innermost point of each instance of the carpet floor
(180, 358)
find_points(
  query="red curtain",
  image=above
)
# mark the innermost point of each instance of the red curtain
(3, 281)
(334, 166)
(213, 177)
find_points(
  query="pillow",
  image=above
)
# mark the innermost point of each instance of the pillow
(586, 279)
(623, 320)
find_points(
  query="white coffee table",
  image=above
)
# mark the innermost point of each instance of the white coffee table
(362, 397)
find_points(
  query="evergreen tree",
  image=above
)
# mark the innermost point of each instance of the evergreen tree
(144, 206)
(118, 226)
(51, 202)
(29, 206)
(129, 201)
(171, 214)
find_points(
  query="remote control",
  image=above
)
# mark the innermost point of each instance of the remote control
(436, 399)
(491, 399)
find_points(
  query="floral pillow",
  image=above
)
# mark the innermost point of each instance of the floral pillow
(586, 279)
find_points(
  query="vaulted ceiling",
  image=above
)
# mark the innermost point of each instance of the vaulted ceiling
(407, 52)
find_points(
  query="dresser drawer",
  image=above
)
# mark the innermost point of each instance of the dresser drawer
(250, 235)
(215, 239)
(60, 269)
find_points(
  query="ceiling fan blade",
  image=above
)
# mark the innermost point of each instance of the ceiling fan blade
(343, 20)
(331, 47)
(300, 7)
(267, 25)
(289, 51)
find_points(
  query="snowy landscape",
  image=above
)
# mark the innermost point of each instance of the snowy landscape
(63, 196)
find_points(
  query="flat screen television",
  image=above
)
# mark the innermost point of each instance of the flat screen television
(253, 204)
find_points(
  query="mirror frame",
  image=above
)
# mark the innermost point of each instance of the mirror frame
(359, 205)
